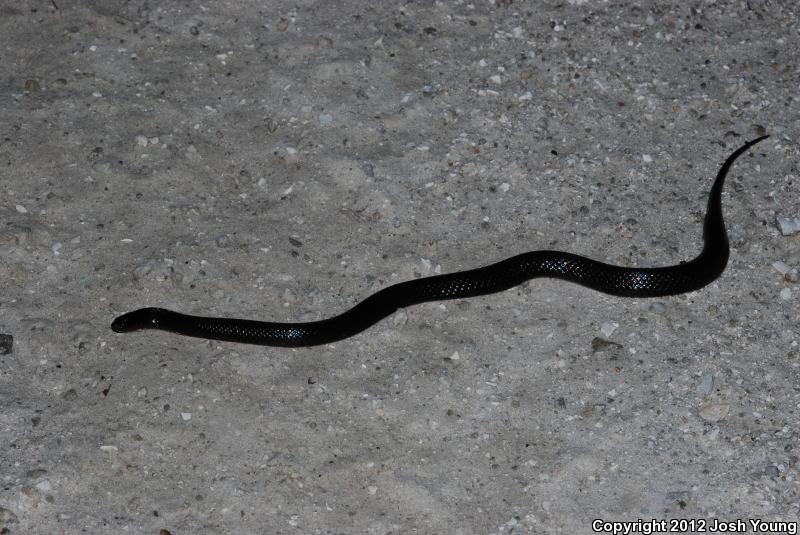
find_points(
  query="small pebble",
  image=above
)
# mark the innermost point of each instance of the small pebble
(788, 225)
(781, 267)
(608, 328)
(7, 516)
(36, 473)
(399, 318)
(646, 158)
(786, 294)
(191, 154)
(790, 274)
(325, 42)
(714, 412)
(186, 416)
(772, 471)
(141, 271)
(707, 383)
(325, 118)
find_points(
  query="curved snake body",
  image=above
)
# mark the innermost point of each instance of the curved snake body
(606, 278)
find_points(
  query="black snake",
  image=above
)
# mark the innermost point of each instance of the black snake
(614, 280)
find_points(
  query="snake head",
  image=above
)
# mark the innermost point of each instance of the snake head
(144, 318)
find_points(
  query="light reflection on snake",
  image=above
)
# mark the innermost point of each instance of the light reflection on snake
(614, 280)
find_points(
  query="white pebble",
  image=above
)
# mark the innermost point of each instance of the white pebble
(325, 118)
(781, 267)
(707, 384)
(504, 187)
(647, 158)
(186, 416)
(141, 141)
(109, 448)
(525, 96)
(786, 294)
(400, 318)
(788, 225)
(496, 79)
(608, 328)
(21, 209)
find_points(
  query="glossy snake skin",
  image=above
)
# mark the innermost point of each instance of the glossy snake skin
(614, 280)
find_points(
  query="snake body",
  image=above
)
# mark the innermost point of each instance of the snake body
(606, 278)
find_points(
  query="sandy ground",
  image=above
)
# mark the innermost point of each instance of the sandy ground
(282, 160)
